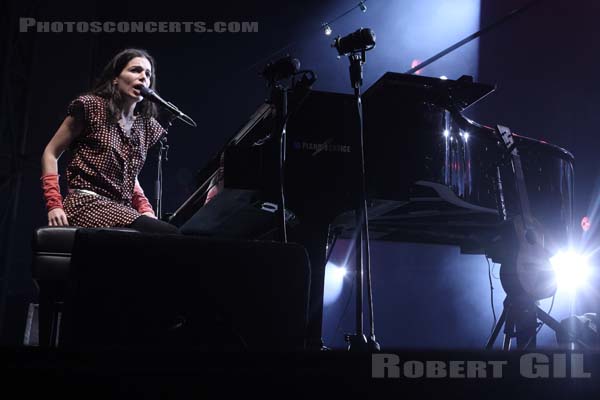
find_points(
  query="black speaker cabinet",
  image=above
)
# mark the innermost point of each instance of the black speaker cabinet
(130, 290)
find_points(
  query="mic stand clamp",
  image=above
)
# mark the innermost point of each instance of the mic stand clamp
(356, 69)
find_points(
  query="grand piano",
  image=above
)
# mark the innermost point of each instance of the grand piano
(432, 175)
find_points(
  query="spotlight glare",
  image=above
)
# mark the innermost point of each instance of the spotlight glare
(466, 136)
(446, 132)
(444, 77)
(334, 282)
(340, 272)
(328, 30)
(572, 269)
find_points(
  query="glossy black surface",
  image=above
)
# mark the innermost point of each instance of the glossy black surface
(432, 174)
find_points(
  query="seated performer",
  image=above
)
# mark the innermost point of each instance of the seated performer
(108, 131)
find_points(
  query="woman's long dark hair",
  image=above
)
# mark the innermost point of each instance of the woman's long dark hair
(105, 88)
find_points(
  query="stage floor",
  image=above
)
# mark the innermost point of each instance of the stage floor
(331, 374)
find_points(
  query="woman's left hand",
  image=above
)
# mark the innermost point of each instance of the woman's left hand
(150, 214)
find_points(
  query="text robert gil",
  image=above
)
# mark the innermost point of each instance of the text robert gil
(531, 365)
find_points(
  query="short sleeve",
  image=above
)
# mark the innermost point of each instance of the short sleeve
(77, 109)
(88, 108)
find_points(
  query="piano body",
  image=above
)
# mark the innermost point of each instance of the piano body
(433, 175)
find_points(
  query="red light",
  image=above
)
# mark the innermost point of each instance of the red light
(585, 224)
(414, 63)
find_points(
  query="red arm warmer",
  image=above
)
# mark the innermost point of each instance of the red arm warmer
(211, 193)
(217, 183)
(51, 191)
(139, 200)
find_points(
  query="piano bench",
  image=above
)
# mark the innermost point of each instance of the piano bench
(50, 268)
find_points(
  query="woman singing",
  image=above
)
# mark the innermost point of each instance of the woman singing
(108, 131)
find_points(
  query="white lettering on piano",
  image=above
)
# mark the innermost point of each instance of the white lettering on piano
(327, 147)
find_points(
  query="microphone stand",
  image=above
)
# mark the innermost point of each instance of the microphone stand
(358, 341)
(279, 96)
(163, 153)
(282, 157)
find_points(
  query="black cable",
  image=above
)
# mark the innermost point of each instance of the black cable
(282, 130)
(352, 288)
(491, 293)
(343, 315)
(343, 14)
(289, 44)
(365, 228)
(282, 154)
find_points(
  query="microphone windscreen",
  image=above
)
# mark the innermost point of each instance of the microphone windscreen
(281, 69)
(144, 91)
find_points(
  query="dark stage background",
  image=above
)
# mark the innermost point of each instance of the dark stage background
(544, 62)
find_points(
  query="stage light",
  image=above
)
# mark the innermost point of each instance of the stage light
(466, 136)
(327, 29)
(586, 224)
(444, 77)
(572, 269)
(446, 132)
(362, 6)
(334, 282)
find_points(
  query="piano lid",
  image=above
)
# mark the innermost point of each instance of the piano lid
(461, 93)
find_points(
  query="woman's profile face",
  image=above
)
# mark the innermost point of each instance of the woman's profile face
(138, 71)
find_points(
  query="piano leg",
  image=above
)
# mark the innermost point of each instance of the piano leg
(313, 236)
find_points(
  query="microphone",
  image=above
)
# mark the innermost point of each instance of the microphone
(281, 69)
(151, 95)
(361, 40)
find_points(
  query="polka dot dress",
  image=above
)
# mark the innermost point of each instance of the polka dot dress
(106, 161)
